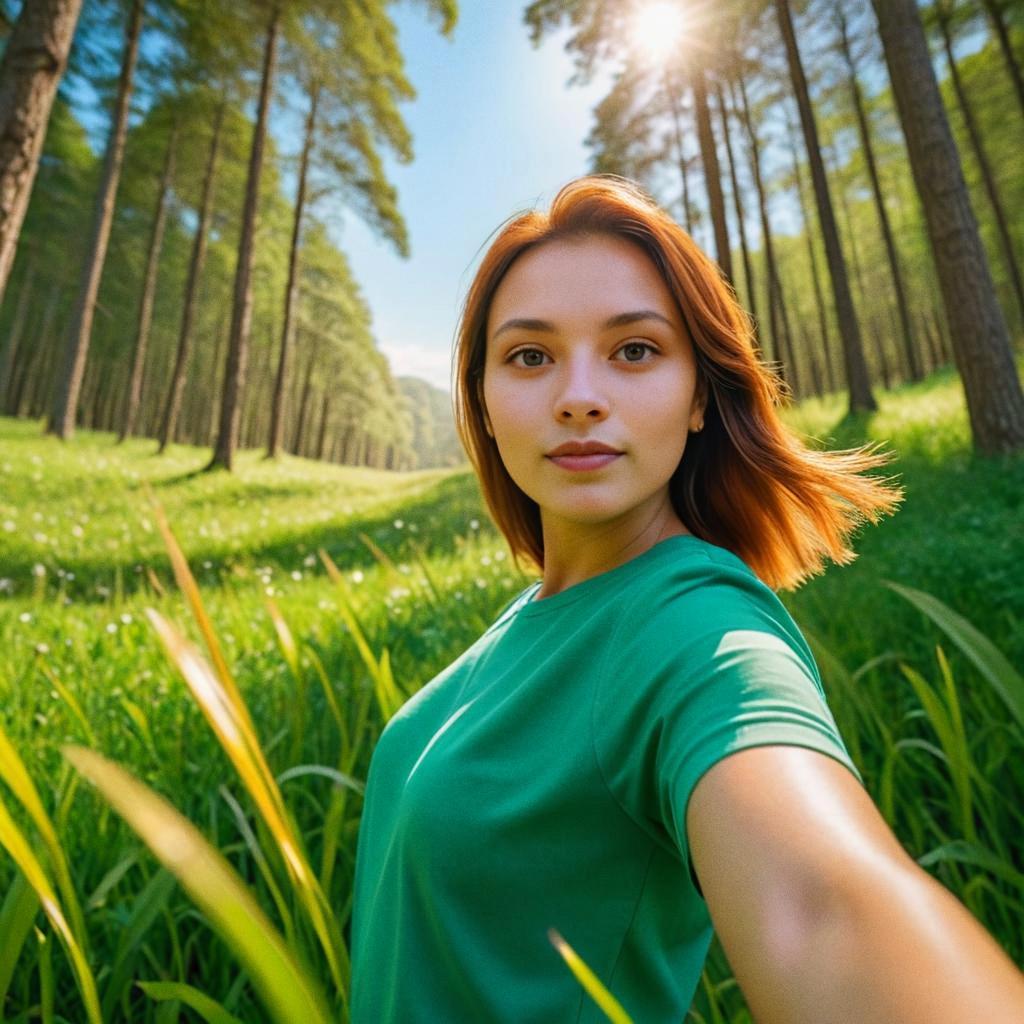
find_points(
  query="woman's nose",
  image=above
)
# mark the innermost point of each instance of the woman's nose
(581, 395)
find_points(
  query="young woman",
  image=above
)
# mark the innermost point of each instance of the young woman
(639, 749)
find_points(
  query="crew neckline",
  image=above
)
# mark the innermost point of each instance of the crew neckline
(603, 580)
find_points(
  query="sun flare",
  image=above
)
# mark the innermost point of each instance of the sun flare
(658, 28)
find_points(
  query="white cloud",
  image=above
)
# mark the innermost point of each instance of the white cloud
(429, 363)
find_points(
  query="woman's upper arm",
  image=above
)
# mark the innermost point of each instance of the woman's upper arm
(783, 839)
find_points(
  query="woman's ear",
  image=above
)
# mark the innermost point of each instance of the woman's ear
(699, 404)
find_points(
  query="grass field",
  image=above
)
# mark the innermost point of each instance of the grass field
(422, 571)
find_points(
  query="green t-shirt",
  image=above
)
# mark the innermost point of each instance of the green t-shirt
(541, 781)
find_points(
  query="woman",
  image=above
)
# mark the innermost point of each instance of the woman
(639, 749)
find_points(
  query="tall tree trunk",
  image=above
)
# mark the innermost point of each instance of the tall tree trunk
(712, 173)
(819, 298)
(241, 312)
(176, 388)
(737, 199)
(291, 291)
(980, 340)
(33, 63)
(868, 148)
(12, 342)
(675, 101)
(991, 188)
(996, 15)
(156, 241)
(325, 414)
(774, 291)
(857, 379)
(307, 390)
(65, 405)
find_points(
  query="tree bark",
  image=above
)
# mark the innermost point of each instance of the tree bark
(979, 337)
(737, 199)
(65, 405)
(176, 388)
(857, 379)
(156, 241)
(819, 298)
(675, 99)
(12, 343)
(987, 177)
(292, 289)
(307, 390)
(712, 172)
(241, 312)
(31, 69)
(994, 8)
(868, 148)
(325, 414)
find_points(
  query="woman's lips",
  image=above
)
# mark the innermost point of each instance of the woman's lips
(576, 463)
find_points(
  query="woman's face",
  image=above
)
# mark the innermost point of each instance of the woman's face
(585, 343)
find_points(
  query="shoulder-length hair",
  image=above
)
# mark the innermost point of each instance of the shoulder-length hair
(746, 482)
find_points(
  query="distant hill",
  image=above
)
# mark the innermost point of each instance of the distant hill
(434, 439)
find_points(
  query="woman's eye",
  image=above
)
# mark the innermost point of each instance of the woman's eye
(634, 351)
(528, 354)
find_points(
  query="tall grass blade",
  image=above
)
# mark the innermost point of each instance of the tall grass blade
(14, 841)
(289, 994)
(210, 1010)
(224, 712)
(18, 780)
(586, 977)
(46, 987)
(987, 658)
(17, 915)
(69, 698)
(972, 853)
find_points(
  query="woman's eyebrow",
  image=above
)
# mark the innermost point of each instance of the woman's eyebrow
(545, 326)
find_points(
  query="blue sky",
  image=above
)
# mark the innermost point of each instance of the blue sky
(495, 130)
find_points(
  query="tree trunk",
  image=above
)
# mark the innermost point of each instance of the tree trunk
(241, 312)
(856, 369)
(11, 344)
(819, 298)
(737, 199)
(292, 289)
(325, 413)
(65, 405)
(994, 8)
(712, 173)
(33, 63)
(675, 100)
(979, 338)
(216, 386)
(868, 148)
(307, 389)
(176, 388)
(156, 241)
(34, 381)
(991, 188)
(774, 291)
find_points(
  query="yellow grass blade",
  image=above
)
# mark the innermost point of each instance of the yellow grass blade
(17, 778)
(586, 977)
(210, 881)
(14, 841)
(234, 731)
(69, 698)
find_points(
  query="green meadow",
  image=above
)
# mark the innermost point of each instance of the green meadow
(334, 593)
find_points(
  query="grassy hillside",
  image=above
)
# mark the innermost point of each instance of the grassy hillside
(81, 559)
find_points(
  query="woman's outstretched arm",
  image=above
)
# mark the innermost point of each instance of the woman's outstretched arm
(824, 917)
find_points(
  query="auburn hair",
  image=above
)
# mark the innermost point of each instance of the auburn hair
(746, 482)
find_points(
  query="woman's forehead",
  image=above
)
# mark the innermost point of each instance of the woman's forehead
(598, 277)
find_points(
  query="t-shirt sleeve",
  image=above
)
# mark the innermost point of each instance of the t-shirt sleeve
(695, 672)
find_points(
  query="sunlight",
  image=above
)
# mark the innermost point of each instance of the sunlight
(658, 29)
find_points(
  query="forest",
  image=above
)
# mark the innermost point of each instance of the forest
(235, 541)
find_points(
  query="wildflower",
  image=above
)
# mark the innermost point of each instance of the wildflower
(309, 561)
(42, 648)
(39, 538)
(77, 531)
(296, 575)
(111, 627)
(38, 569)
(481, 583)
(499, 556)
(25, 617)
(357, 576)
(399, 524)
(6, 586)
(207, 564)
(486, 560)
(474, 524)
(10, 526)
(126, 618)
